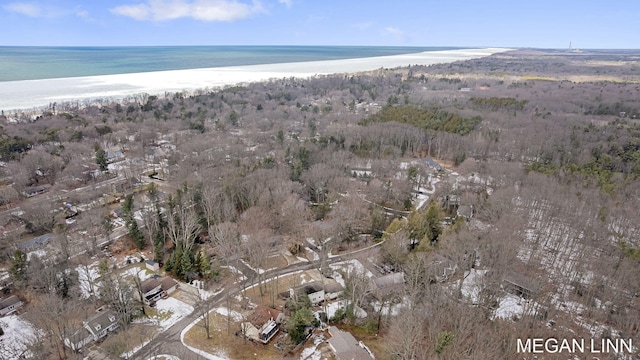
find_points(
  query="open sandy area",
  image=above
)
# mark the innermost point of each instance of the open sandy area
(30, 94)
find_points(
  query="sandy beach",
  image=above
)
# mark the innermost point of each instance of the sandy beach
(31, 94)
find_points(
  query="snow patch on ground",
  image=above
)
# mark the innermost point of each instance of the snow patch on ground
(17, 333)
(257, 270)
(177, 308)
(339, 279)
(332, 308)
(303, 278)
(314, 255)
(313, 353)
(163, 356)
(510, 306)
(234, 270)
(169, 311)
(236, 316)
(136, 271)
(86, 276)
(351, 266)
(393, 309)
(472, 285)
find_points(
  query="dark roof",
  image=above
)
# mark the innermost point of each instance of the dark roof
(11, 300)
(167, 283)
(104, 318)
(164, 282)
(149, 285)
(79, 335)
(522, 281)
(390, 280)
(37, 189)
(430, 162)
(35, 243)
(329, 286)
(261, 315)
(345, 345)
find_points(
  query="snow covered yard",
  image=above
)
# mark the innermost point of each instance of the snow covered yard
(472, 284)
(87, 276)
(168, 312)
(349, 267)
(332, 308)
(314, 352)
(17, 333)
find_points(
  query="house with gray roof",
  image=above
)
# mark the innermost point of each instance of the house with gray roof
(35, 243)
(93, 329)
(346, 347)
(520, 284)
(155, 288)
(10, 304)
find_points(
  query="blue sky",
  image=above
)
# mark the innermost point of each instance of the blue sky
(506, 23)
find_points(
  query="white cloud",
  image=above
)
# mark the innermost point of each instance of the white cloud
(35, 10)
(84, 14)
(394, 32)
(28, 9)
(205, 10)
(287, 3)
(363, 25)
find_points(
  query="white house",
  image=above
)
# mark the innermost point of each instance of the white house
(93, 329)
(262, 324)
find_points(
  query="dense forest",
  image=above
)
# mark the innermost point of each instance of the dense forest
(541, 148)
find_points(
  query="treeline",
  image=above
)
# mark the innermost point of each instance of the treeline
(498, 103)
(608, 162)
(616, 109)
(11, 147)
(430, 119)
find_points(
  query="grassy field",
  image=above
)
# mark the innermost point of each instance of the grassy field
(127, 340)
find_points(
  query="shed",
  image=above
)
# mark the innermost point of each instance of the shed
(152, 265)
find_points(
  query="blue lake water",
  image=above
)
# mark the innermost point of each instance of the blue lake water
(30, 63)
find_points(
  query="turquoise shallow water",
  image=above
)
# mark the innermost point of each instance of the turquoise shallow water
(30, 63)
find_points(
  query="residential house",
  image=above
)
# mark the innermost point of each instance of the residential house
(346, 347)
(153, 289)
(433, 164)
(441, 268)
(93, 329)
(390, 280)
(317, 291)
(10, 304)
(388, 286)
(35, 243)
(36, 190)
(519, 284)
(451, 202)
(262, 324)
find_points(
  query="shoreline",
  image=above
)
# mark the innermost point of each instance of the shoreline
(32, 95)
